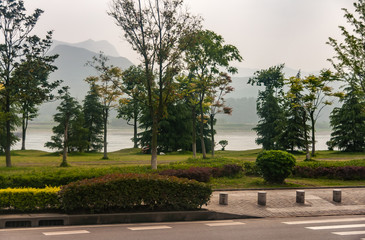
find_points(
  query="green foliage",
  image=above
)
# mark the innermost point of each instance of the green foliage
(223, 144)
(348, 123)
(269, 108)
(93, 120)
(29, 199)
(120, 192)
(275, 165)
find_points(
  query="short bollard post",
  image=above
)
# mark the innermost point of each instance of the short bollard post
(300, 196)
(261, 198)
(223, 199)
(337, 195)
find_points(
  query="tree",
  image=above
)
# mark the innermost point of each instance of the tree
(131, 108)
(315, 93)
(15, 28)
(348, 122)
(107, 85)
(68, 113)
(154, 31)
(30, 79)
(349, 60)
(206, 55)
(221, 88)
(223, 144)
(93, 120)
(269, 106)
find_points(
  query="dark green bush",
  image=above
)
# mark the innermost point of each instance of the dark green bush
(275, 165)
(200, 174)
(251, 169)
(120, 192)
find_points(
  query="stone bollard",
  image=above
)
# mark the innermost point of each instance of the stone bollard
(261, 198)
(337, 195)
(223, 199)
(300, 196)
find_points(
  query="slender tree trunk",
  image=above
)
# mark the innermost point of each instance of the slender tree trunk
(8, 132)
(24, 130)
(313, 135)
(307, 155)
(105, 133)
(65, 143)
(135, 128)
(193, 117)
(212, 132)
(204, 152)
(154, 143)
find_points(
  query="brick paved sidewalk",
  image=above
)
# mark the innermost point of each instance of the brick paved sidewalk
(282, 203)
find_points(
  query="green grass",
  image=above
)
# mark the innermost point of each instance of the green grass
(32, 162)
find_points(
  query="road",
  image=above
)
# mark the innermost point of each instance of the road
(321, 228)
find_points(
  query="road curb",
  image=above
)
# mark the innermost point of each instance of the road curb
(42, 220)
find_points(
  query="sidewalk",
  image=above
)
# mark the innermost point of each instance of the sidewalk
(282, 203)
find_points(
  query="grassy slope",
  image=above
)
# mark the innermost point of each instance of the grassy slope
(33, 162)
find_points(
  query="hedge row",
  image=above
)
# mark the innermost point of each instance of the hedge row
(343, 173)
(203, 174)
(29, 199)
(133, 191)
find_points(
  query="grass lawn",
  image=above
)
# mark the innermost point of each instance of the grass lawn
(131, 160)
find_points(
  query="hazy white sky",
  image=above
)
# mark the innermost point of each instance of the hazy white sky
(266, 32)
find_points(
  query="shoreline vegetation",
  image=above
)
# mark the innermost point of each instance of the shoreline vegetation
(33, 163)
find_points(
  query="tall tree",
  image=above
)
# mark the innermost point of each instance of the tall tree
(30, 79)
(205, 56)
(107, 84)
(15, 27)
(349, 60)
(218, 105)
(348, 122)
(269, 106)
(315, 92)
(154, 30)
(93, 120)
(131, 108)
(68, 113)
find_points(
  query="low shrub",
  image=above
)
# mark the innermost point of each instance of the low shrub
(228, 170)
(119, 192)
(29, 199)
(251, 169)
(200, 174)
(342, 173)
(275, 165)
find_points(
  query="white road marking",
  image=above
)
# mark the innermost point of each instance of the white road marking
(326, 221)
(148, 228)
(224, 224)
(65, 233)
(349, 233)
(336, 226)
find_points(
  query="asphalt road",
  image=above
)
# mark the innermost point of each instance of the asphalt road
(321, 228)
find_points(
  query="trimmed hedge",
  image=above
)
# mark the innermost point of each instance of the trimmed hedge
(117, 192)
(203, 174)
(29, 199)
(342, 173)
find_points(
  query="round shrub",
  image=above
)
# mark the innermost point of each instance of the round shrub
(120, 192)
(275, 165)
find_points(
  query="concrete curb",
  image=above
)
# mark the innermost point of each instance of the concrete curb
(278, 189)
(41, 220)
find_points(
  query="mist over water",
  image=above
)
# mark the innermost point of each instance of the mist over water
(121, 139)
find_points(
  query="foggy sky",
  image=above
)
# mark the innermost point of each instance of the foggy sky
(266, 32)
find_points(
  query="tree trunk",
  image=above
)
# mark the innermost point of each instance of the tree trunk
(193, 115)
(313, 135)
(65, 143)
(212, 132)
(307, 155)
(105, 134)
(202, 131)
(8, 132)
(24, 130)
(135, 129)
(154, 144)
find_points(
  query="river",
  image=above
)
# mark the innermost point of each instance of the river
(121, 138)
